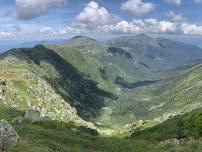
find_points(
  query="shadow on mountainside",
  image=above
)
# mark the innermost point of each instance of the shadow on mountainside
(71, 84)
(120, 81)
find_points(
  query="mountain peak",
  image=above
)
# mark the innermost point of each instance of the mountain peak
(78, 37)
(142, 35)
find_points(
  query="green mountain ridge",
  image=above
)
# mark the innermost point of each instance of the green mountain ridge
(128, 84)
(162, 51)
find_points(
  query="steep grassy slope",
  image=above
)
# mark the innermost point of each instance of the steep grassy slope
(26, 87)
(115, 64)
(86, 64)
(40, 78)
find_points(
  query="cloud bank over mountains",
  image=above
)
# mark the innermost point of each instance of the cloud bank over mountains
(95, 17)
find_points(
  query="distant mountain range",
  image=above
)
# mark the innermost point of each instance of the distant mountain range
(9, 44)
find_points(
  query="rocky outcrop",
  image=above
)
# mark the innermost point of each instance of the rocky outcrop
(2, 82)
(45, 103)
(30, 114)
(174, 141)
(8, 136)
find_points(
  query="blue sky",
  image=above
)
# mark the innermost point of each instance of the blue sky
(58, 19)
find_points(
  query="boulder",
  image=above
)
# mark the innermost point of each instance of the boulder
(8, 136)
(2, 82)
(34, 115)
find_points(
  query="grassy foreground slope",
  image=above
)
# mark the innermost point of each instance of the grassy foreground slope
(51, 136)
(64, 137)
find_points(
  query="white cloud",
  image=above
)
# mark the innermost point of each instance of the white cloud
(149, 25)
(47, 30)
(191, 29)
(9, 30)
(94, 15)
(137, 7)
(28, 9)
(176, 24)
(69, 29)
(58, 31)
(166, 27)
(4, 34)
(176, 2)
(122, 27)
(175, 17)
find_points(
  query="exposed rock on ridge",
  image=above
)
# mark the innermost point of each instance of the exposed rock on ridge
(8, 136)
